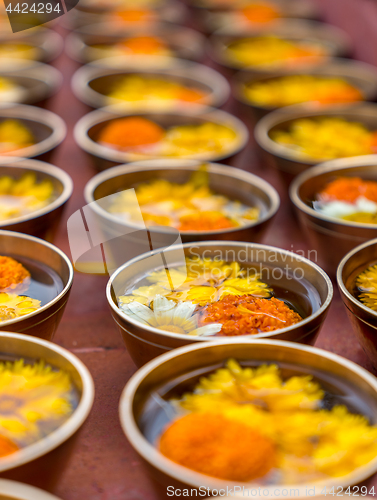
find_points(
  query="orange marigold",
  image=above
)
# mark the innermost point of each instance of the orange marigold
(246, 314)
(12, 273)
(131, 132)
(214, 445)
(349, 189)
(7, 447)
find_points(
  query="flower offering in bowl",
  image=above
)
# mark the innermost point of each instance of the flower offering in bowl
(35, 282)
(37, 44)
(221, 289)
(171, 88)
(337, 206)
(340, 81)
(199, 200)
(33, 195)
(156, 46)
(113, 136)
(356, 277)
(30, 132)
(291, 44)
(298, 137)
(46, 394)
(252, 414)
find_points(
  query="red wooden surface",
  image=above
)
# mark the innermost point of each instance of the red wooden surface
(104, 466)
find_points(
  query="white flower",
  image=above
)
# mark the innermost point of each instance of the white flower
(170, 316)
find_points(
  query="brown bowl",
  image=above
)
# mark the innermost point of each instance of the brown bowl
(361, 75)
(92, 85)
(48, 129)
(171, 12)
(42, 223)
(44, 321)
(45, 43)
(233, 183)
(332, 39)
(183, 42)
(363, 319)
(326, 232)
(145, 342)
(290, 163)
(179, 370)
(36, 83)
(103, 157)
(42, 463)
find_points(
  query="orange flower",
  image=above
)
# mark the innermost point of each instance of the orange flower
(214, 445)
(260, 13)
(245, 315)
(12, 273)
(143, 45)
(7, 447)
(205, 221)
(131, 132)
(349, 189)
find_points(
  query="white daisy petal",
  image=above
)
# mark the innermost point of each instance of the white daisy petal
(206, 331)
(163, 310)
(143, 312)
(183, 312)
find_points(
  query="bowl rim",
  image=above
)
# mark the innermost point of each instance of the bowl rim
(196, 72)
(192, 165)
(75, 421)
(269, 335)
(202, 113)
(338, 64)
(51, 42)
(40, 116)
(299, 111)
(62, 255)
(341, 284)
(44, 168)
(39, 72)
(327, 167)
(21, 491)
(150, 453)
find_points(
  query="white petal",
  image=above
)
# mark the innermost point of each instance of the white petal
(141, 311)
(207, 330)
(163, 310)
(183, 312)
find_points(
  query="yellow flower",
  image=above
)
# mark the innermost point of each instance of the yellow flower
(262, 386)
(144, 295)
(30, 395)
(14, 306)
(367, 284)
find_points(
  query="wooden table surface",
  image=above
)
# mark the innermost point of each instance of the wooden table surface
(104, 466)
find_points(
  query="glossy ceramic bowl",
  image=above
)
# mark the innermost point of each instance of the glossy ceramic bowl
(42, 463)
(290, 163)
(42, 223)
(233, 183)
(88, 127)
(35, 83)
(44, 321)
(174, 371)
(13, 490)
(172, 12)
(183, 42)
(326, 232)
(361, 75)
(46, 44)
(363, 319)
(332, 39)
(92, 85)
(219, 18)
(144, 342)
(48, 129)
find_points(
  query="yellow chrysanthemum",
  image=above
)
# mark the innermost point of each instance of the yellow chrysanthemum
(262, 386)
(13, 306)
(31, 395)
(367, 284)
